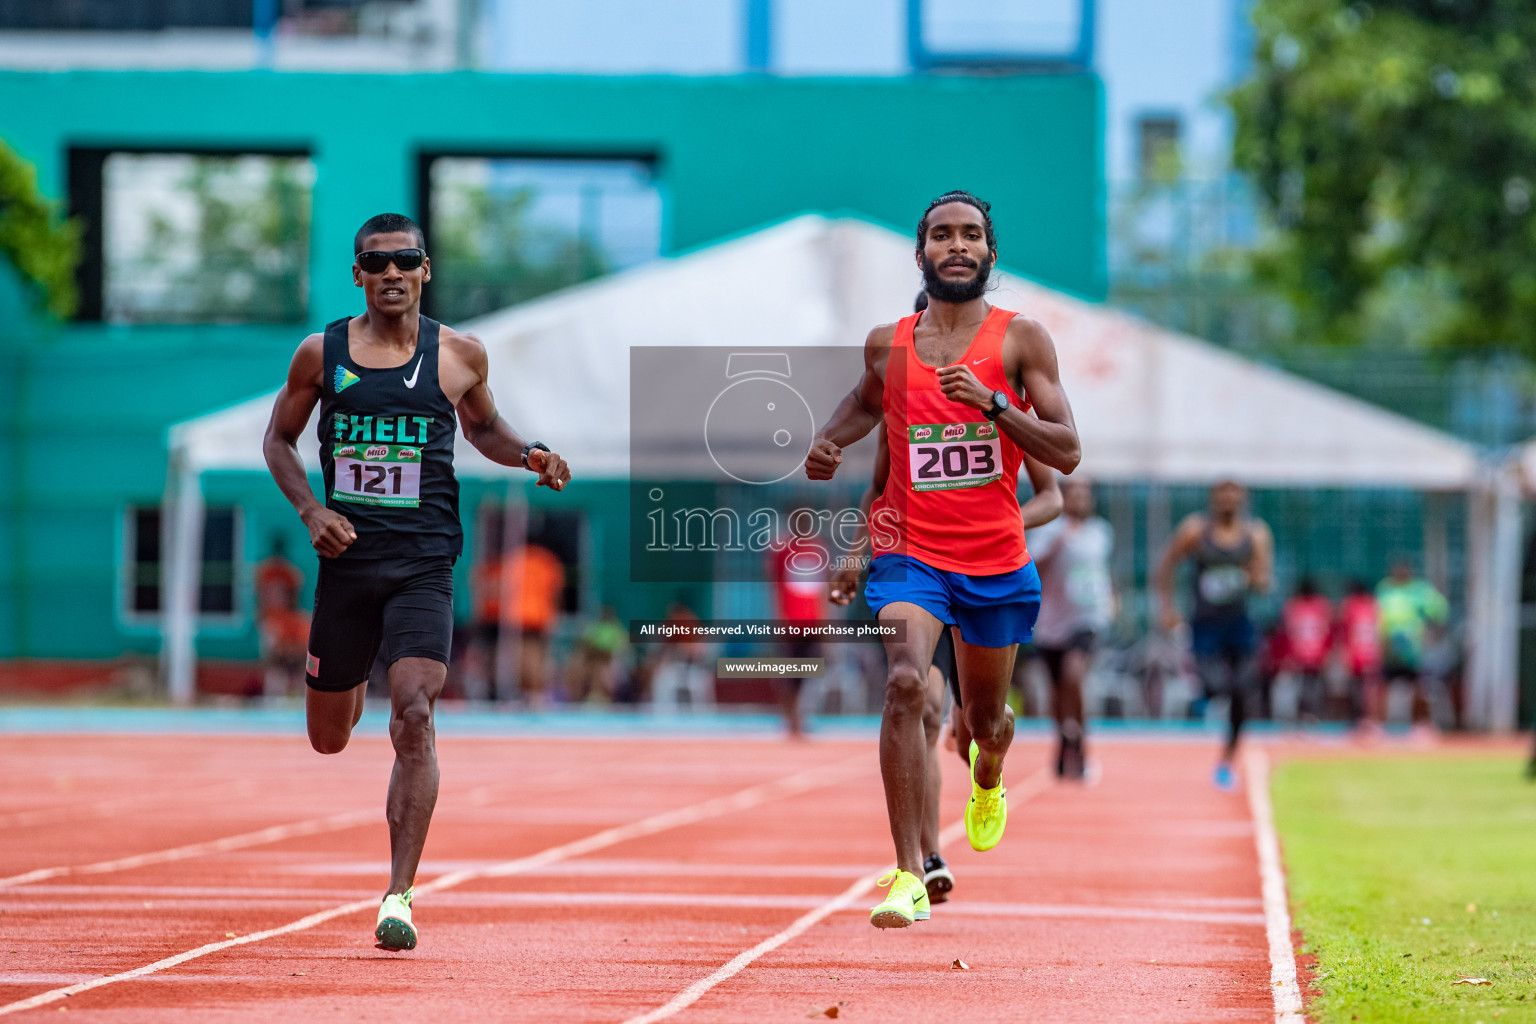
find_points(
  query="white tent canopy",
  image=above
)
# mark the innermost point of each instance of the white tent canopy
(1151, 405)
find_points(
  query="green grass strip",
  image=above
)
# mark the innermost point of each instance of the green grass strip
(1407, 873)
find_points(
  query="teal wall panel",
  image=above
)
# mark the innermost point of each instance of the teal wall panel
(84, 408)
(733, 153)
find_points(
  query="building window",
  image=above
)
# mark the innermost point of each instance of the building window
(1000, 32)
(125, 15)
(504, 230)
(1158, 154)
(144, 561)
(193, 237)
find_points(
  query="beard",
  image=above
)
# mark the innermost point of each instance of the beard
(955, 291)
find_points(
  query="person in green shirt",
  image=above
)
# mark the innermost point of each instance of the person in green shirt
(1406, 608)
(600, 656)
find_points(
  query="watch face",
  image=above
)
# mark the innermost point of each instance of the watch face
(1000, 399)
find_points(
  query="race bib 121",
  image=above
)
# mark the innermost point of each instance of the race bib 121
(378, 474)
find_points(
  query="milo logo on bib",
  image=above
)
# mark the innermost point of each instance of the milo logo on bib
(965, 455)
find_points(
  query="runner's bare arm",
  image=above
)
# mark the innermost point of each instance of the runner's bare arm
(1045, 504)
(1029, 356)
(329, 531)
(1261, 566)
(483, 425)
(1185, 538)
(845, 579)
(858, 412)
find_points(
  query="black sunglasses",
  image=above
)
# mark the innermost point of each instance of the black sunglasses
(375, 261)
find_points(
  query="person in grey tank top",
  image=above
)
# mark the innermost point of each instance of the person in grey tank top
(1232, 555)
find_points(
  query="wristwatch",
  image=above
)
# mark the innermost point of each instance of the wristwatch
(530, 446)
(999, 405)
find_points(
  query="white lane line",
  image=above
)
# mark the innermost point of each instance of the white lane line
(593, 867)
(1031, 786)
(1100, 913)
(1277, 914)
(103, 808)
(801, 782)
(275, 834)
(262, 837)
(548, 900)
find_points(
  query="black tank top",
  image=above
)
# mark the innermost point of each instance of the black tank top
(386, 444)
(1221, 577)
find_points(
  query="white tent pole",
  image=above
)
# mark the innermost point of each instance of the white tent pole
(1493, 600)
(514, 540)
(1479, 561)
(181, 566)
(1504, 692)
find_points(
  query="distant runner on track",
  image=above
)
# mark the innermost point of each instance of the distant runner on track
(951, 383)
(391, 385)
(1077, 604)
(1233, 556)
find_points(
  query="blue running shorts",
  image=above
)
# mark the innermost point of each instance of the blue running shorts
(991, 611)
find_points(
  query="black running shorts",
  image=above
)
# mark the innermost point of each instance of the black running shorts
(402, 607)
(944, 661)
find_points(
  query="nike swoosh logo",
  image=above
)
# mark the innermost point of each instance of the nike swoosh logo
(981, 360)
(410, 381)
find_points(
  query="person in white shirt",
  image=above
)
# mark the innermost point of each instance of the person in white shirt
(1077, 605)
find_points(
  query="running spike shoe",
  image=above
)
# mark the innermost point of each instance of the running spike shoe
(906, 902)
(1225, 778)
(394, 931)
(937, 879)
(986, 815)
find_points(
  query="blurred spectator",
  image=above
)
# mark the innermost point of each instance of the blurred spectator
(1307, 624)
(599, 660)
(797, 566)
(679, 665)
(532, 577)
(1407, 607)
(283, 627)
(1360, 634)
(1077, 604)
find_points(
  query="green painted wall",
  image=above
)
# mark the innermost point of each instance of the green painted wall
(733, 153)
(84, 408)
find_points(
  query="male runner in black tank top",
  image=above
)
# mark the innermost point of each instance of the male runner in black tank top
(390, 385)
(1234, 556)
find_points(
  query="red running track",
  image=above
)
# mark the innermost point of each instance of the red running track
(597, 880)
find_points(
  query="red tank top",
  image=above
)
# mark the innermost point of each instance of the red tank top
(951, 499)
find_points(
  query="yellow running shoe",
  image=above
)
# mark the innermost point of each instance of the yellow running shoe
(394, 930)
(987, 813)
(906, 902)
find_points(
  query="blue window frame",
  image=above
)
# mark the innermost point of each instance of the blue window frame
(1025, 34)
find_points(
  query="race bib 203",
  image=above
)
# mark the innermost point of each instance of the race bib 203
(944, 456)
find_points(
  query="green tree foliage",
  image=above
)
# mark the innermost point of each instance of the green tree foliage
(36, 240)
(487, 256)
(1394, 143)
(242, 257)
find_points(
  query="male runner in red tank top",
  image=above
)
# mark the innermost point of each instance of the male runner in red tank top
(955, 385)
